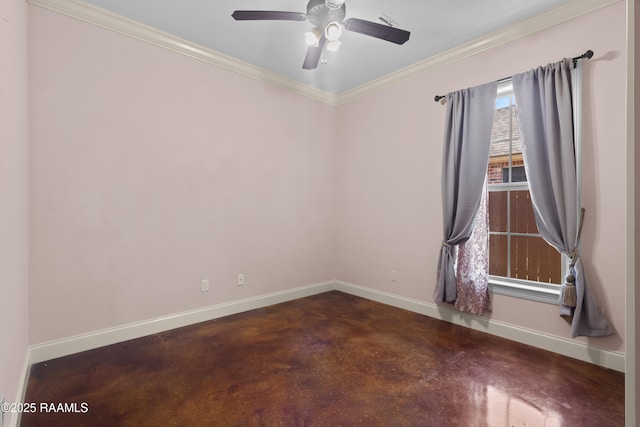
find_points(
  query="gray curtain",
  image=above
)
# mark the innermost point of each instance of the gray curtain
(465, 157)
(544, 99)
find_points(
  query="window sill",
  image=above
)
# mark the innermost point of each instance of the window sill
(533, 291)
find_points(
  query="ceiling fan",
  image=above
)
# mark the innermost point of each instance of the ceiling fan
(327, 16)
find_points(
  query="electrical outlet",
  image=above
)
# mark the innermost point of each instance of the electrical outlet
(204, 286)
(394, 276)
(240, 279)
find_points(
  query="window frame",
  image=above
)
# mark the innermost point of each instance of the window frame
(519, 288)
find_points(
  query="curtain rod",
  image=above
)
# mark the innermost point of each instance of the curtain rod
(587, 55)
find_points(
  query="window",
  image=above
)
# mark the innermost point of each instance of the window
(521, 263)
(517, 174)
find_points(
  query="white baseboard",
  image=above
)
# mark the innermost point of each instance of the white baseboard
(566, 347)
(66, 346)
(75, 344)
(14, 420)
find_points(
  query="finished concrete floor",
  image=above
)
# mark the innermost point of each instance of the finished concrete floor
(327, 360)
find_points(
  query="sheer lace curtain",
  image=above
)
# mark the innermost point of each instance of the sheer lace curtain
(472, 267)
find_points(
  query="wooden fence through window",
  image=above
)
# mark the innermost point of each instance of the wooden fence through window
(532, 258)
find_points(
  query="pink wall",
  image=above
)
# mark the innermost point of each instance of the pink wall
(14, 196)
(152, 171)
(388, 168)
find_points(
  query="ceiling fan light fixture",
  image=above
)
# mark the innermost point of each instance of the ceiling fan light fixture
(333, 31)
(334, 4)
(334, 45)
(313, 37)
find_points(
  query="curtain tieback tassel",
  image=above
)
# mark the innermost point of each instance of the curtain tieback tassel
(568, 294)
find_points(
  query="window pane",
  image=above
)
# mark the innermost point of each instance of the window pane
(517, 174)
(515, 248)
(497, 211)
(505, 123)
(522, 218)
(517, 146)
(498, 255)
(534, 259)
(494, 172)
(503, 101)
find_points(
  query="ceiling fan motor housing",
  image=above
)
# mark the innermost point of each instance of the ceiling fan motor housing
(319, 14)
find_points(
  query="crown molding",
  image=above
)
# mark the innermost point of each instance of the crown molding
(105, 19)
(119, 24)
(537, 23)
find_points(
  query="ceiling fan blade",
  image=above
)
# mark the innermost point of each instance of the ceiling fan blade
(384, 32)
(313, 55)
(267, 15)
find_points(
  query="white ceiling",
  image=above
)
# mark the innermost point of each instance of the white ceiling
(436, 26)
